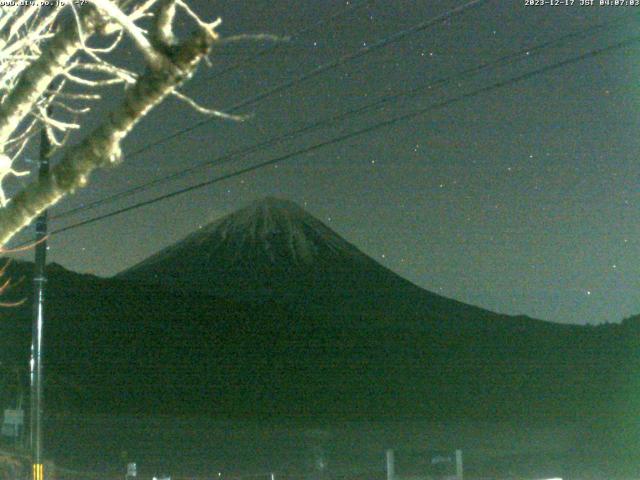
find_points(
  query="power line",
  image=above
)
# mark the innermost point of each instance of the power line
(326, 67)
(526, 53)
(321, 69)
(277, 46)
(360, 132)
(350, 9)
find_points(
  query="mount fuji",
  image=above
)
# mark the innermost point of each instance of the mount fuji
(269, 312)
(273, 250)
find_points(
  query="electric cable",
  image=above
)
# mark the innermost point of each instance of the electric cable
(319, 70)
(523, 53)
(359, 132)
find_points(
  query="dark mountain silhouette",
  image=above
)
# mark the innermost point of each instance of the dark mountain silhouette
(268, 312)
(274, 250)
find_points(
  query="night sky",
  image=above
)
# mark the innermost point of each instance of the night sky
(522, 200)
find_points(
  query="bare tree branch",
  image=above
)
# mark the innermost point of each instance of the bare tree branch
(35, 80)
(136, 33)
(43, 63)
(101, 147)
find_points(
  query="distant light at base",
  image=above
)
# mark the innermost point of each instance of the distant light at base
(38, 471)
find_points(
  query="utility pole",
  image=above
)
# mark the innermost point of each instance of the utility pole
(19, 438)
(391, 465)
(459, 468)
(39, 282)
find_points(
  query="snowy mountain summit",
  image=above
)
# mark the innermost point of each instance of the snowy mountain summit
(277, 231)
(274, 250)
(268, 234)
(271, 246)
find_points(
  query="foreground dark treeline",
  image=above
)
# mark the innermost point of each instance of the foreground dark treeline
(112, 346)
(121, 348)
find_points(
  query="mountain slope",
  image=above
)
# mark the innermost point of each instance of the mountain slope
(114, 346)
(274, 250)
(268, 312)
